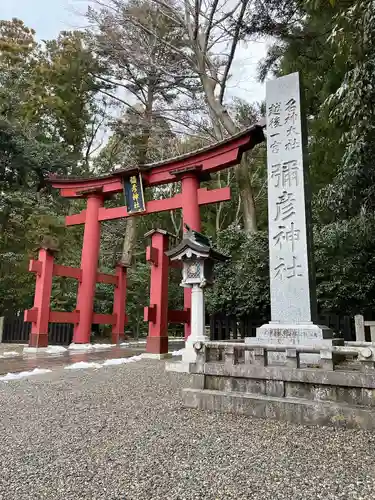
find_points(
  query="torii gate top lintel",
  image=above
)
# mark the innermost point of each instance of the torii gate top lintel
(201, 163)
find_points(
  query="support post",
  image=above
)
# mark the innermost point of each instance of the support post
(157, 313)
(119, 304)
(1, 328)
(359, 328)
(42, 297)
(197, 324)
(190, 216)
(89, 265)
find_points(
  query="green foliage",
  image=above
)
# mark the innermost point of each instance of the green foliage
(351, 109)
(345, 261)
(242, 286)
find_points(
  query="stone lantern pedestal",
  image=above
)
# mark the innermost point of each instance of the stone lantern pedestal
(198, 258)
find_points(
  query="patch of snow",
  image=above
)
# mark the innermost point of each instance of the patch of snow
(124, 343)
(80, 347)
(10, 354)
(55, 349)
(28, 350)
(178, 353)
(89, 347)
(103, 346)
(121, 361)
(17, 376)
(80, 365)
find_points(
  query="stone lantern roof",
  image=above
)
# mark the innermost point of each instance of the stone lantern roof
(194, 244)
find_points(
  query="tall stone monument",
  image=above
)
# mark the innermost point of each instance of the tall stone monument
(293, 301)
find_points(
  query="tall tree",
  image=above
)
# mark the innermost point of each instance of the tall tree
(201, 49)
(132, 38)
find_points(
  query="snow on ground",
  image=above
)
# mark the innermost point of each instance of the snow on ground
(121, 361)
(108, 362)
(80, 365)
(103, 346)
(17, 376)
(10, 354)
(177, 353)
(89, 347)
(55, 349)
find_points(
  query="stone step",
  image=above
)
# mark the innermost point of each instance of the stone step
(295, 410)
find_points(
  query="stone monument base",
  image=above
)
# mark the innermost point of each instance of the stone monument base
(302, 334)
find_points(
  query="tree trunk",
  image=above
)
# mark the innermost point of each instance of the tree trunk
(247, 196)
(129, 242)
(130, 237)
(220, 114)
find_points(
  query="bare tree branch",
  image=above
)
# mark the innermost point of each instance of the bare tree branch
(235, 41)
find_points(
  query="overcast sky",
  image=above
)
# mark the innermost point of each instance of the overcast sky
(48, 17)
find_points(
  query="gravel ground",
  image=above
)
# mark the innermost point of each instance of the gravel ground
(122, 433)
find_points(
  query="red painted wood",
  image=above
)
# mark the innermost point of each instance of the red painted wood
(64, 317)
(89, 264)
(152, 206)
(152, 255)
(31, 315)
(206, 197)
(119, 305)
(42, 297)
(35, 266)
(178, 316)
(191, 217)
(149, 313)
(68, 272)
(72, 190)
(212, 163)
(103, 319)
(216, 158)
(157, 345)
(109, 279)
(157, 313)
(72, 220)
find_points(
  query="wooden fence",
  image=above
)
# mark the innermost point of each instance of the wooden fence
(17, 331)
(222, 327)
(364, 330)
(230, 327)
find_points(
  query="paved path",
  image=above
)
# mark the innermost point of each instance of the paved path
(121, 433)
(52, 361)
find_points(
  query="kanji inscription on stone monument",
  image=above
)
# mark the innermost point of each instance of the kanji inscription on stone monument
(288, 244)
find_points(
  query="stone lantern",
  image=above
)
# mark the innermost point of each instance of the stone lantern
(198, 258)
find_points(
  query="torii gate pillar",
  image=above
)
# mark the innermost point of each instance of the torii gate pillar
(190, 216)
(89, 266)
(157, 313)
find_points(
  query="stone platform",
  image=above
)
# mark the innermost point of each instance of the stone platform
(240, 379)
(307, 334)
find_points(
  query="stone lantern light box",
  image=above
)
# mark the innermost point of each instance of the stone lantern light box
(198, 257)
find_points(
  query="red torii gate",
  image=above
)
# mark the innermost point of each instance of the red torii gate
(190, 169)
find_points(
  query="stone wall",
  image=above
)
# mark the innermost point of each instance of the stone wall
(339, 391)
